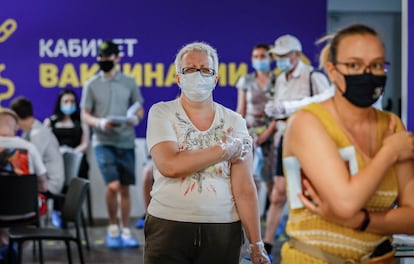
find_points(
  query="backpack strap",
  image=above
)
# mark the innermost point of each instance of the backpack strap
(311, 92)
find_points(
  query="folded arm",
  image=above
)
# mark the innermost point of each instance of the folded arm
(171, 162)
(399, 220)
(344, 195)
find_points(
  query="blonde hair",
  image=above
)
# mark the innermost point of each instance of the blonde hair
(355, 29)
(325, 52)
(330, 51)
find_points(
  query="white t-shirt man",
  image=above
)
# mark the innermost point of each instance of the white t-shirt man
(295, 92)
(48, 147)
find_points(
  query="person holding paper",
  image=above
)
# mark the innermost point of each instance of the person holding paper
(112, 105)
(346, 214)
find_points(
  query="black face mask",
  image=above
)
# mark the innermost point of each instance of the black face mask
(106, 66)
(363, 90)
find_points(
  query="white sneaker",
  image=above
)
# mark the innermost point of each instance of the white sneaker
(113, 238)
(113, 231)
(127, 239)
(126, 233)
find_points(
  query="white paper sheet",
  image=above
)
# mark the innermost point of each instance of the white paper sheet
(293, 174)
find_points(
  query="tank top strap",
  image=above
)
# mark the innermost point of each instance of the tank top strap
(53, 120)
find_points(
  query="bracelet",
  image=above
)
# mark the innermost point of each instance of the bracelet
(366, 221)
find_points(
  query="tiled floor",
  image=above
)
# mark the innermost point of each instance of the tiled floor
(56, 253)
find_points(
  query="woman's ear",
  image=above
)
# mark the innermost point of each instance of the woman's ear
(330, 71)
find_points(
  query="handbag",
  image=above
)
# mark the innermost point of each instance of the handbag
(388, 258)
(384, 253)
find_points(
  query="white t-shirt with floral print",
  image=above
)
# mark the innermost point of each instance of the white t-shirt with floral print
(205, 196)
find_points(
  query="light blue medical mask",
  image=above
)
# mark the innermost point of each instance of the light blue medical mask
(195, 87)
(261, 65)
(284, 64)
(67, 109)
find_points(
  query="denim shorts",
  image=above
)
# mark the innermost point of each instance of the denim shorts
(175, 242)
(116, 164)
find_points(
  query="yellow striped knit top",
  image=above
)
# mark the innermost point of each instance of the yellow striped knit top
(336, 239)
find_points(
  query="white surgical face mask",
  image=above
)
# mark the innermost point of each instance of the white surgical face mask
(284, 64)
(195, 87)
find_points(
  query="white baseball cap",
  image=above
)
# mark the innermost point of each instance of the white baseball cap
(285, 44)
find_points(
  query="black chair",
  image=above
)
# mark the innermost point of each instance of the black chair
(19, 202)
(72, 163)
(71, 213)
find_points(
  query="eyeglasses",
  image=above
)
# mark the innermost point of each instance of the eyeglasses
(206, 72)
(376, 68)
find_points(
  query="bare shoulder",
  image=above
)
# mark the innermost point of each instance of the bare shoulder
(302, 131)
(302, 119)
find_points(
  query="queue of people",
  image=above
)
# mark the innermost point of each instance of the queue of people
(202, 183)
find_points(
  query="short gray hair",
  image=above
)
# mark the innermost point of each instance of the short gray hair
(200, 47)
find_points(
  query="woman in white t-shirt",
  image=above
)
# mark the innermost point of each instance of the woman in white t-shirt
(203, 190)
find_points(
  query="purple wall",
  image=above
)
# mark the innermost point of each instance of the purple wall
(52, 44)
